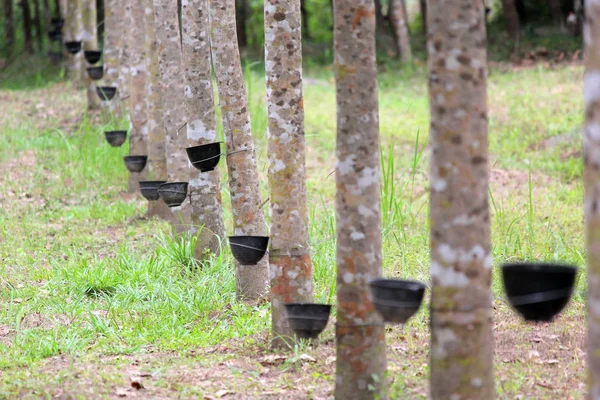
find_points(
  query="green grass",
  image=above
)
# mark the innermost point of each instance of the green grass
(82, 274)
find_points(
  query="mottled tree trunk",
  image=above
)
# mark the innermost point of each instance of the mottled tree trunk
(37, 21)
(557, 13)
(90, 42)
(113, 40)
(591, 147)
(127, 43)
(205, 188)
(27, 26)
(138, 137)
(512, 19)
(399, 21)
(360, 334)
(173, 88)
(461, 331)
(157, 159)
(248, 218)
(9, 27)
(74, 32)
(290, 267)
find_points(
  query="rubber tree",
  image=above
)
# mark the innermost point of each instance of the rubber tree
(360, 333)
(174, 113)
(461, 355)
(399, 20)
(74, 32)
(205, 188)
(9, 27)
(290, 266)
(248, 218)
(113, 42)
(127, 43)
(138, 135)
(591, 148)
(90, 42)
(157, 158)
(512, 19)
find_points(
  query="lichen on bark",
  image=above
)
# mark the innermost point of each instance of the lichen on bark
(290, 267)
(461, 354)
(90, 42)
(591, 147)
(74, 32)
(360, 334)
(205, 188)
(113, 41)
(248, 218)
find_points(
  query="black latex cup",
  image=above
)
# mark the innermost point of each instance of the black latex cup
(396, 300)
(205, 157)
(135, 163)
(173, 193)
(307, 320)
(106, 93)
(115, 138)
(149, 189)
(55, 35)
(95, 73)
(538, 291)
(73, 47)
(57, 23)
(92, 56)
(248, 250)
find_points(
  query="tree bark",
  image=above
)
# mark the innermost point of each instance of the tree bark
(90, 42)
(37, 22)
(157, 158)
(360, 334)
(113, 42)
(74, 32)
(399, 22)
(205, 187)
(290, 266)
(27, 28)
(138, 137)
(557, 13)
(461, 356)
(512, 19)
(591, 147)
(174, 119)
(127, 43)
(248, 218)
(9, 27)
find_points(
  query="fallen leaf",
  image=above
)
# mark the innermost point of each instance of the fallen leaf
(223, 393)
(121, 392)
(272, 359)
(306, 357)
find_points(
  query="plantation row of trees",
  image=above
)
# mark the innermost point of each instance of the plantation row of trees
(27, 22)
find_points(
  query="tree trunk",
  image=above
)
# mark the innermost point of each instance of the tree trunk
(423, 7)
(138, 137)
(37, 22)
(74, 32)
(360, 334)
(241, 14)
(174, 119)
(591, 146)
(512, 19)
(248, 218)
(157, 158)
(557, 13)
(399, 22)
(461, 354)
(289, 256)
(27, 28)
(113, 43)
(205, 187)
(127, 42)
(9, 27)
(90, 42)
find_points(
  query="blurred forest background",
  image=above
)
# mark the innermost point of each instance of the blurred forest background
(518, 30)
